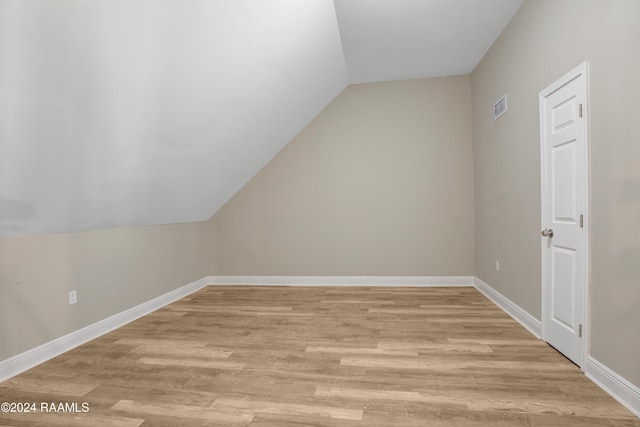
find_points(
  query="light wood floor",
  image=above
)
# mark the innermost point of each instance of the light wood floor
(323, 356)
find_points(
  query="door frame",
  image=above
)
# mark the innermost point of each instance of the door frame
(582, 69)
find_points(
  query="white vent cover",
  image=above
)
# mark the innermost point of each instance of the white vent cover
(500, 107)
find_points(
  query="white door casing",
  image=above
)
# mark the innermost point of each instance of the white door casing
(564, 174)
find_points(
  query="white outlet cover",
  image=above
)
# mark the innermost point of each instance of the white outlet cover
(73, 297)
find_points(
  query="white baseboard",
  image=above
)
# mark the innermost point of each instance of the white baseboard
(31, 358)
(343, 280)
(512, 309)
(611, 382)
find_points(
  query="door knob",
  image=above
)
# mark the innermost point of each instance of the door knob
(547, 232)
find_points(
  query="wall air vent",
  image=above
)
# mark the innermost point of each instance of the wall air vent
(500, 107)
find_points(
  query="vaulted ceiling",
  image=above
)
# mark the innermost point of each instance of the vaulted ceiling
(139, 112)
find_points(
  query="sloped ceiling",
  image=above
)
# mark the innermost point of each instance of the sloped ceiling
(137, 112)
(140, 112)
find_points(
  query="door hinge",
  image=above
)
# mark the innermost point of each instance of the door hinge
(581, 220)
(580, 110)
(580, 330)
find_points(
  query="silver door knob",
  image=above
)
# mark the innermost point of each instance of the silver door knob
(547, 232)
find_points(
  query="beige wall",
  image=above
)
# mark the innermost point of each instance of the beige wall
(380, 183)
(545, 40)
(112, 270)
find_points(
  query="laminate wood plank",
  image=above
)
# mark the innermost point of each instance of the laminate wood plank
(545, 407)
(454, 308)
(289, 387)
(354, 301)
(292, 314)
(228, 414)
(66, 420)
(109, 394)
(395, 395)
(217, 308)
(169, 314)
(546, 420)
(419, 415)
(447, 365)
(266, 407)
(202, 352)
(192, 363)
(212, 310)
(498, 342)
(280, 420)
(435, 346)
(464, 314)
(447, 315)
(64, 388)
(360, 350)
(167, 343)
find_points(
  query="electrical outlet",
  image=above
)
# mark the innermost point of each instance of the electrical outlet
(497, 265)
(73, 297)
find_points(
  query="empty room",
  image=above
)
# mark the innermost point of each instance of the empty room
(319, 213)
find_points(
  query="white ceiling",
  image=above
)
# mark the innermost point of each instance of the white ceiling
(139, 112)
(408, 39)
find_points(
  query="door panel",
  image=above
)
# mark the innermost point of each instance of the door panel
(563, 280)
(564, 182)
(564, 199)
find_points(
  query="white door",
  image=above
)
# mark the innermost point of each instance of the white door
(563, 137)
